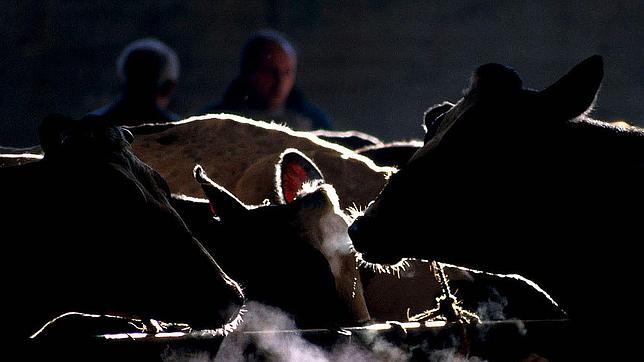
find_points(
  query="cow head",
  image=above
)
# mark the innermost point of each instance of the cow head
(488, 162)
(285, 254)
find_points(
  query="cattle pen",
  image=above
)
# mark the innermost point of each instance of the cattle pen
(417, 341)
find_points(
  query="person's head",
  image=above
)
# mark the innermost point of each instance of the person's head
(148, 68)
(268, 66)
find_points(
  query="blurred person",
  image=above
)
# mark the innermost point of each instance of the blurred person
(148, 71)
(265, 87)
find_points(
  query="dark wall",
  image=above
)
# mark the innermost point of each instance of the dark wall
(372, 65)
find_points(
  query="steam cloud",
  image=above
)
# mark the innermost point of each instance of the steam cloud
(268, 334)
(291, 346)
(252, 343)
(494, 308)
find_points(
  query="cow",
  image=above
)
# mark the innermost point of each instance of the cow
(284, 254)
(240, 154)
(369, 291)
(90, 229)
(520, 181)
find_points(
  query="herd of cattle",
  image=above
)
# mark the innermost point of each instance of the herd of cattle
(521, 183)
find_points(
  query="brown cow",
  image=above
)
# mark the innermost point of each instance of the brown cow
(240, 154)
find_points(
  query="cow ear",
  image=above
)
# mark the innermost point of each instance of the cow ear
(292, 171)
(430, 123)
(223, 204)
(575, 92)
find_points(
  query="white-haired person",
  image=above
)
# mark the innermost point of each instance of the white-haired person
(148, 71)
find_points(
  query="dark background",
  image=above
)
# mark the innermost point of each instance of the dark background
(373, 65)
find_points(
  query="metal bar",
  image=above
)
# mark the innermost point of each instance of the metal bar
(377, 327)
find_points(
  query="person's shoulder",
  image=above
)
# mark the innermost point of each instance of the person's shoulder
(102, 111)
(297, 102)
(170, 116)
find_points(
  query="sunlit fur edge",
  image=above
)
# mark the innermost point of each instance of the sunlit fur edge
(344, 152)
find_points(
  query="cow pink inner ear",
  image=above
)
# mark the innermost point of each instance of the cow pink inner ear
(293, 178)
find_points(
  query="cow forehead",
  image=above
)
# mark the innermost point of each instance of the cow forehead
(496, 113)
(308, 209)
(447, 120)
